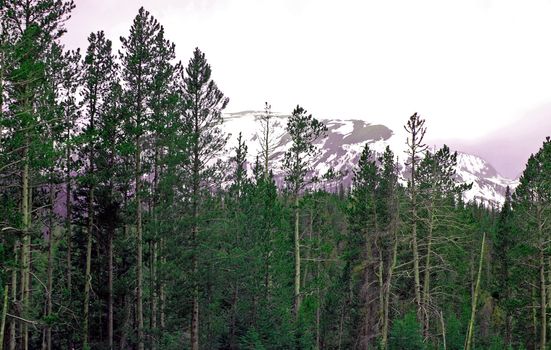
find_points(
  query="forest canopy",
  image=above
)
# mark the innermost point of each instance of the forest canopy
(122, 228)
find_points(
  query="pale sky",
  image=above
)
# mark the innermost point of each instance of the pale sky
(479, 71)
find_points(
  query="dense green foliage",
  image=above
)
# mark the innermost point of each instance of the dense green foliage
(121, 228)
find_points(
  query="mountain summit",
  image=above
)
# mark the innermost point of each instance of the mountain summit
(341, 149)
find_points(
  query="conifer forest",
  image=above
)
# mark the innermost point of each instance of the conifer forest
(123, 227)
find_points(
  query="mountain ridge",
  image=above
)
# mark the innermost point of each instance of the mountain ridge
(346, 138)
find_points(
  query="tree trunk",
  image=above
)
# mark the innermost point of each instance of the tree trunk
(162, 297)
(195, 267)
(543, 301)
(443, 326)
(416, 140)
(50, 271)
(468, 342)
(341, 327)
(195, 310)
(388, 284)
(87, 273)
(417, 285)
(307, 254)
(368, 295)
(126, 323)
(4, 312)
(534, 318)
(110, 288)
(153, 319)
(318, 277)
(233, 319)
(68, 223)
(297, 258)
(426, 277)
(543, 289)
(139, 248)
(126, 300)
(13, 322)
(25, 249)
(154, 252)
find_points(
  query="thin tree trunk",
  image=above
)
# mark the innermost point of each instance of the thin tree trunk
(470, 330)
(139, 248)
(87, 273)
(443, 326)
(534, 317)
(381, 281)
(318, 277)
(543, 301)
(388, 284)
(195, 310)
(4, 312)
(266, 145)
(162, 297)
(25, 249)
(426, 277)
(417, 285)
(153, 286)
(13, 322)
(126, 323)
(110, 288)
(68, 223)
(297, 258)
(233, 320)
(50, 272)
(341, 327)
(368, 291)
(416, 139)
(308, 249)
(195, 267)
(543, 289)
(127, 312)
(154, 253)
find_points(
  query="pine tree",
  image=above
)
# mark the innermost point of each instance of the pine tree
(59, 105)
(532, 203)
(364, 227)
(416, 129)
(437, 195)
(29, 29)
(204, 104)
(503, 243)
(99, 73)
(26, 79)
(267, 138)
(139, 64)
(304, 131)
(390, 192)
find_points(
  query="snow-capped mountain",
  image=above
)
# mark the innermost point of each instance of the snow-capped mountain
(341, 149)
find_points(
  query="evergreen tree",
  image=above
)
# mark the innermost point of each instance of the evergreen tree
(366, 243)
(144, 59)
(304, 130)
(502, 255)
(121, 217)
(204, 103)
(416, 130)
(99, 74)
(532, 205)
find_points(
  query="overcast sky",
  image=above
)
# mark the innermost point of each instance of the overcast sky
(479, 71)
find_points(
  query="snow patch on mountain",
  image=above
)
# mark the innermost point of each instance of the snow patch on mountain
(342, 147)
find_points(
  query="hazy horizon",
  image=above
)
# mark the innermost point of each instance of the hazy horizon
(477, 71)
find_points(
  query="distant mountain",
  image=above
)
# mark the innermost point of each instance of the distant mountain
(346, 138)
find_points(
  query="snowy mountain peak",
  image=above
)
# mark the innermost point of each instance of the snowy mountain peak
(341, 149)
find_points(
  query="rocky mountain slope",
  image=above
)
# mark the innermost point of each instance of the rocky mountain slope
(341, 149)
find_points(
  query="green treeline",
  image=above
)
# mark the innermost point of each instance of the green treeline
(121, 228)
